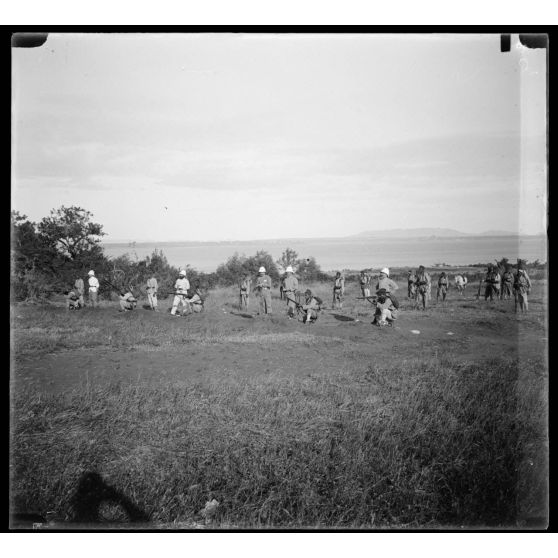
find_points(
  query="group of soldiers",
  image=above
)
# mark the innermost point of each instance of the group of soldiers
(190, 300)
(419, 285)
(308, 304)
(501, 285)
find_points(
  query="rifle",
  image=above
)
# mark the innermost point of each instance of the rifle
(301, 307)
(370, 299)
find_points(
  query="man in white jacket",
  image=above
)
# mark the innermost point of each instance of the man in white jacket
(93, 288)
(181, 288)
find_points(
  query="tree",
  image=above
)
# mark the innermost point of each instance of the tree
(70, 231)
(230, 272)
(309, 270)
(263, 258)
(288, 257)
(32, 261)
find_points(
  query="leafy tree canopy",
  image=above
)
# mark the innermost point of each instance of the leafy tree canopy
(70, 231)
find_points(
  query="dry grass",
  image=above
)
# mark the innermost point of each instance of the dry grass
(434, 445)
(416, 443)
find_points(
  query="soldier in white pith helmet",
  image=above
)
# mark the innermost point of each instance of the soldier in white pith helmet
(290, 288)
(384, 282)
(263, 287)
(181, 287)
(93, 288)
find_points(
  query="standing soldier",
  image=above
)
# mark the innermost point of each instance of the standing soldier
(384, 282)
(290, 288)
(93, 288)
(459, 283)
(365, 283)
(263, 284)
(521, 288)
(491, 281)
(245, 287)
(411, 284)
(497, 281)
(507, 284)
(442, 287)
(181, 287)
(80, 290)
(338, 291)
(152, 288)
(424, 285)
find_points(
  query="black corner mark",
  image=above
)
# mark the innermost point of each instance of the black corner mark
(529, 41)
(534, 40)
(28, 40)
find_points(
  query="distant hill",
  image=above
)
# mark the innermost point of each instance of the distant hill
(405, 233)
(427, 232)
(497, 233)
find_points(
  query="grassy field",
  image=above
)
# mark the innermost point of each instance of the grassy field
(140, 416)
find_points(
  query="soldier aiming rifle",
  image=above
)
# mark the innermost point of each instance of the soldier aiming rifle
(311, 307)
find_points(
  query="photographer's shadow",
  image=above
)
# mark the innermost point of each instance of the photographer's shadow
(97, 502)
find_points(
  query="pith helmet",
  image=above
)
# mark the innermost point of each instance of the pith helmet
(182, 272)
(91, 273)
(289, 269)
(261, 270)
(385, 270)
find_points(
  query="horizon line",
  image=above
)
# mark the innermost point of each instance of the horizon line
(302, 238)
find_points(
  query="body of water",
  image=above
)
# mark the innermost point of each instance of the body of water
(348, 253)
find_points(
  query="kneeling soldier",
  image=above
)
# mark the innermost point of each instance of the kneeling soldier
(386, 310)
(195, 302)
(127, 302)
(311, 307)
(72, 300)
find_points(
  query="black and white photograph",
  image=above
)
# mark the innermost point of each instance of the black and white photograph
(279, 281)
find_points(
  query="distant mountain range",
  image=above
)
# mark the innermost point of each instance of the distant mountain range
(426, 232)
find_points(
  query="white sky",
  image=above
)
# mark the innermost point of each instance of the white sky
(231, 136)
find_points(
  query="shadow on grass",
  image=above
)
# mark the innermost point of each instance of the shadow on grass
(241, 314)
(94, 496)
(343, 318)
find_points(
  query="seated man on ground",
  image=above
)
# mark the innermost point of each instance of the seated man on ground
(386, 310)
(311, 307)
(195, 302)
(72, 300)
(127, 301)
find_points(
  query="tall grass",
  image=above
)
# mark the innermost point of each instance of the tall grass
(435, 444)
